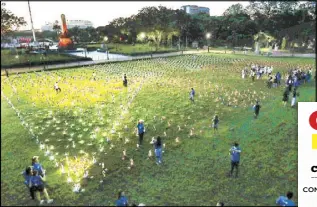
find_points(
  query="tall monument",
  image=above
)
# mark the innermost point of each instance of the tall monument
(65, 41)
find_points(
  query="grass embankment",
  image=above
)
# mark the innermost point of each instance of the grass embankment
(194, 171)
(133, 50)
(9, 60)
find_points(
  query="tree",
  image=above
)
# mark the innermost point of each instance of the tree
(56, 28)
(10, 22)
(234, 10)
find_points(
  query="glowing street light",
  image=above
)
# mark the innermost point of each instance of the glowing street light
(106, 39)
(208, 36)
(142, 35)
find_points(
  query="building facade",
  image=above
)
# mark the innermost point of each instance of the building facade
(82, 24)
(194, 9)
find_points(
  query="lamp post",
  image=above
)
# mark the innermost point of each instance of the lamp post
(107, 51)
(208, 36)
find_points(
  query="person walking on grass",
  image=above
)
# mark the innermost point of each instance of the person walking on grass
(141, 130)
(37, 185)
(256, 108)
(234, 153)
(191, 95)
(158, 150)
(215, 122)
(285, 201)
(27, 174)
(122, 199)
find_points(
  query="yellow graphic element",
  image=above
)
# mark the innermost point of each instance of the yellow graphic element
(314, 140)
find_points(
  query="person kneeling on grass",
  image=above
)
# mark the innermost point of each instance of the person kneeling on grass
(37, 184)
(285, 201)
(57, 89)
(27, 174)
(158, 150)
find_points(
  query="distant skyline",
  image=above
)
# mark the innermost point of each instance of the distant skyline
(99, 13)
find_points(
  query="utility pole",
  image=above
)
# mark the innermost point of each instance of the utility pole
(32, 22)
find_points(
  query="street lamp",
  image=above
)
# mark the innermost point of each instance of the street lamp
(142, 35)
(208, 36)
(107, 51)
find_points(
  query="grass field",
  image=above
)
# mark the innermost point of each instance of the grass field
(78, 120)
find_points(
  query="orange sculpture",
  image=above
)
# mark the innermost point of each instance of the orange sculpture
(65, 41)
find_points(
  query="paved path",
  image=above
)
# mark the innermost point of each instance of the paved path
(94, 62)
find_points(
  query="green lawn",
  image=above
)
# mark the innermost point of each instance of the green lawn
(194, 171)
(129, 49)
(25, 60)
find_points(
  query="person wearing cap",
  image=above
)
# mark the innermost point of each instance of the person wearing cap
(234, 152)
(141, 130)
(122, 199)
(37, 166)
(285, 201)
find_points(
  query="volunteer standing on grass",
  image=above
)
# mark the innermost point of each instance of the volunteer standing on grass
(256, 109)
(215, 122)
(141, 130)
(192, 94)
(234, 153)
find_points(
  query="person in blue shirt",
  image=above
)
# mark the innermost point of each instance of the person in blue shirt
(285, 201)
(278, 77)
(141, 131)
(122, 200)
(37, 166)
(158, 150)
(37, 185)
(192, 94)
(27, 174)
(235, 158)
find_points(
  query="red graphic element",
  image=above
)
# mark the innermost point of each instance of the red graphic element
(64, 39)
(313, 120)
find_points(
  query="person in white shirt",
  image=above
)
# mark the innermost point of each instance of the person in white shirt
(57, 89)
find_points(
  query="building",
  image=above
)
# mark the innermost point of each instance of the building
(194, 9)
(82, 24)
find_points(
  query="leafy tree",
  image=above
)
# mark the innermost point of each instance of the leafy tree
(10, 22)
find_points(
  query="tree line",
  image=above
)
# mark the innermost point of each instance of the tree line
(285, 23)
